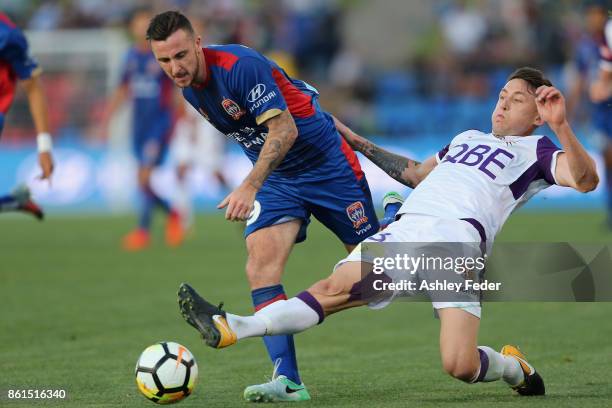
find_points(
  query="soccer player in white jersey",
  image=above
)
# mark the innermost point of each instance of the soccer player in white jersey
(465, 193)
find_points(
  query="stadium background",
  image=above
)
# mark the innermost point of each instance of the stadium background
(432, 72)
(77, 311)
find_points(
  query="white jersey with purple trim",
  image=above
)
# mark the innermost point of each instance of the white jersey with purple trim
(483, 177)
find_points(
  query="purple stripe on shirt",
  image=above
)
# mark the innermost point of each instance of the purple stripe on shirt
(521, 184)
(476, 224)
(443, 152)
(545, 151)
(481, 231)
(313, 303)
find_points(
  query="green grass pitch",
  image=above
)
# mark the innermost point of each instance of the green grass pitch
(76, 312)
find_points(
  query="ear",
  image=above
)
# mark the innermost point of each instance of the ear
(198, 41)
(538, 121)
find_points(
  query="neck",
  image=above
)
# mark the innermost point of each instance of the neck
(201, 74)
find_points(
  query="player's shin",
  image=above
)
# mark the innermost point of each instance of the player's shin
(495, 366)
(282, 317)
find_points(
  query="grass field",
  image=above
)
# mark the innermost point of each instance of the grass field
(76, 312)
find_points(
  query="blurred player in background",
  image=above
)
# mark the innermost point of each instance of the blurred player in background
(301, 167)
(593, 68)
(601, 94)
(153, 97)
(463, 194)
(16, 65)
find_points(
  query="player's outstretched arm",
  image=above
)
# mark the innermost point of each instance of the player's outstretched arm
(38, 108)
(575, 168)
(282, 133)
(407, 171)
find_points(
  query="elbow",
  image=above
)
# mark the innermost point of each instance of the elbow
(588, 184)
(292, 134)
(411, 182)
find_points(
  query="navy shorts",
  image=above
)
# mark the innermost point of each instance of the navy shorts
(151, 144)
(337, 195)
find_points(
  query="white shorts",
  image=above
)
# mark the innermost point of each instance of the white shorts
(415, 230)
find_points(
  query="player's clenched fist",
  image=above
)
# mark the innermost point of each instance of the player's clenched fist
(551, 105)
(239, 203)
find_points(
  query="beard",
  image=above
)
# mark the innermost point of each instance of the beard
(194, 74)
(194, 80)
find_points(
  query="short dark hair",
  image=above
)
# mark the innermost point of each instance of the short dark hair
(167, 23)
(534, 77)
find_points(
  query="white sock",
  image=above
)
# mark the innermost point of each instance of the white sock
(281, 317)
(499, 366)
(246, 326)
(288, 316)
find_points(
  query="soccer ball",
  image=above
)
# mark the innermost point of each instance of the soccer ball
(166, 372)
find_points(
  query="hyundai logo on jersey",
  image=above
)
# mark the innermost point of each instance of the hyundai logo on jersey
(256, 93)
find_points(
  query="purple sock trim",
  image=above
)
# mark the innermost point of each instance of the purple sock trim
(484, 365)
(313, 303)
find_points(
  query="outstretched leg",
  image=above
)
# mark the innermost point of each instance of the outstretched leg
(307, 309)
(276, 320)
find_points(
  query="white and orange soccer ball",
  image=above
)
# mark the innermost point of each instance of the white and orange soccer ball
(166, 372)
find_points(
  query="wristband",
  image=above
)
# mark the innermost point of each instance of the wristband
(44, 142)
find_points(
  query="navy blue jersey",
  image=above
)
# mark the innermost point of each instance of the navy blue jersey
(243, 89)
(151, 92)
(589, 59)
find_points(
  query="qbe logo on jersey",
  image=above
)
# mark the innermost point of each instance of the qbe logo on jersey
(356, 214)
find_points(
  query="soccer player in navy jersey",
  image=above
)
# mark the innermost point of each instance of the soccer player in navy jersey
(16, 65)
(151, 93)
(593, 65)
(301, 166)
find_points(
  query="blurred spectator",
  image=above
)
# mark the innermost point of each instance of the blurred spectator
(464, 28)
(462, 52)
(47, 17)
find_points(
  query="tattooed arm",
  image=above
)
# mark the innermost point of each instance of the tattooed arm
(407, 171)
(282, 133)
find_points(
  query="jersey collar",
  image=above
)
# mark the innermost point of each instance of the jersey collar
(207, 59)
